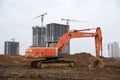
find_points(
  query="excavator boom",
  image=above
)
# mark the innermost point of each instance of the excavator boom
(61, 44)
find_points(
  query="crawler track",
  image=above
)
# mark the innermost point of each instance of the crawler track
(52, 63)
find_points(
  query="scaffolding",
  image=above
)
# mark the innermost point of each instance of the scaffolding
(39, 36)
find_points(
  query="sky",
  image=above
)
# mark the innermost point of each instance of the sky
(16, 20)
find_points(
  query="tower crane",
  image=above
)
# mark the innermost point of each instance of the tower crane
(67, 21)
(13, 39)
(42, 18)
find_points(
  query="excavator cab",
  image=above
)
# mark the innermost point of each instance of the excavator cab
(51, 44)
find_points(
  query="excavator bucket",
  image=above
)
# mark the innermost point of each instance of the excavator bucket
(97, 63)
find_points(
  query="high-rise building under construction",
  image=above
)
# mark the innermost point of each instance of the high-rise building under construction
(39, 36)
(113, 50)
(54, 32)
(11, 47)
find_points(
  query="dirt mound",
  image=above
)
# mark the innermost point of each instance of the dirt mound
(82, 59)
(12, 59)
(17, 68)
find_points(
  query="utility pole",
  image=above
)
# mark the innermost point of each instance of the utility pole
(42, 18)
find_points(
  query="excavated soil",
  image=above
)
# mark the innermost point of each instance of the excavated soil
(18, 68)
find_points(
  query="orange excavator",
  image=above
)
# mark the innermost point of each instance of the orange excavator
(51, 55)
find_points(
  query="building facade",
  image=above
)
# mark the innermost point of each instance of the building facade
(113, 50)
(39, 36)
(11, 48)
(54, 31)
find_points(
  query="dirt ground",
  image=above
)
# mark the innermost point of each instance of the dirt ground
(18, 68)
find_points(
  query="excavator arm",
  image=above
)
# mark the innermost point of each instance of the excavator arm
(61, 44)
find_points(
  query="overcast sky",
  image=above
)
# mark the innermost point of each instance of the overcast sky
(16, 20)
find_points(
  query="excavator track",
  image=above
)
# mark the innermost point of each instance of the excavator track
(52, 63)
